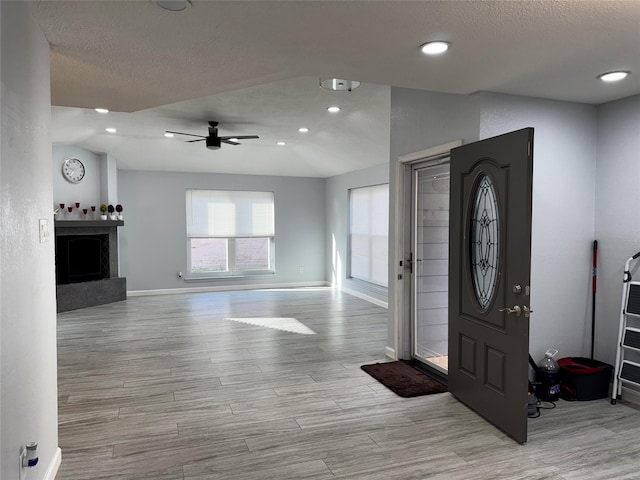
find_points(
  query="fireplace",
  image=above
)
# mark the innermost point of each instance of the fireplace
(81, 258)
(87, 264)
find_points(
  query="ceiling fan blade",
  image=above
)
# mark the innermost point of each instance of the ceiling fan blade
(198, 140)
(239, 137)
(188, 134)
(229, 142)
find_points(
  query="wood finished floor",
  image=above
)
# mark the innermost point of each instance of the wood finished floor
(167, 388)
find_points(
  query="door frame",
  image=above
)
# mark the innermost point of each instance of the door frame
(401, 308)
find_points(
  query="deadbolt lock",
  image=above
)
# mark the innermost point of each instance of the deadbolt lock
(517, 288)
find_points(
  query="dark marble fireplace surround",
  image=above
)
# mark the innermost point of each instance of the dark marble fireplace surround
(87, 264)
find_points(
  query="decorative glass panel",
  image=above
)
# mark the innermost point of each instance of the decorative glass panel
(485, 244)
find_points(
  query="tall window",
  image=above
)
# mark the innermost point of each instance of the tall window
(230, 232)
(369, 233)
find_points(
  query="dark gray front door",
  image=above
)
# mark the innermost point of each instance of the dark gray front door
(489, 271)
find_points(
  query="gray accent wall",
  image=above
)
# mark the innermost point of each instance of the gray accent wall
(337, 228)
(153, 244)
(28, 361)
(617, 215)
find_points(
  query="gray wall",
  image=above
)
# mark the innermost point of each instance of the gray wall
(564, 176)
(563, 203)
(153, 246)
(617, 223)
(28, 390)
(87, 192)
(420, 120)
(337, 208)
(98, 186)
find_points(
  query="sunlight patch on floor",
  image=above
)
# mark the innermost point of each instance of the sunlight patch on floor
(286, 324)
(442, 362)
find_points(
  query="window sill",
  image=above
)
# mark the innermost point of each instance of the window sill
(207, 278)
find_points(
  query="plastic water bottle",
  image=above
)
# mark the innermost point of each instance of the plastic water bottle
(549, 377)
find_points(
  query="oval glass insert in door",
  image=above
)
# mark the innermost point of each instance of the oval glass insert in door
(484, 242)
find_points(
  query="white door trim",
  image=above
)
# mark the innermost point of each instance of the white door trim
(401, 304)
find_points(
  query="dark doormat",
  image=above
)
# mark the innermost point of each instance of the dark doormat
(403, 379)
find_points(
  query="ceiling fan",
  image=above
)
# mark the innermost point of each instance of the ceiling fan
(213, 141)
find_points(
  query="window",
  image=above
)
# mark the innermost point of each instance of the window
(369, 233)
(230, 232)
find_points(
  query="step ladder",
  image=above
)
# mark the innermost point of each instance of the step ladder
(627, 371)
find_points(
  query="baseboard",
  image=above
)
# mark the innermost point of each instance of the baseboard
(224, 288)
(52, 470)
(364, 296)
(631, 396)
(390, 353)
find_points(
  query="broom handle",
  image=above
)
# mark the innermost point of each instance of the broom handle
(593, 303)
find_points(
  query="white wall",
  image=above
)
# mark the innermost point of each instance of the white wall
(337, 208)
(564, 176)
(153, 245)
(617, 222)
(28, 390)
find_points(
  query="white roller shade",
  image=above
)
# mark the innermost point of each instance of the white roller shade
(220, 213)
(369, 226)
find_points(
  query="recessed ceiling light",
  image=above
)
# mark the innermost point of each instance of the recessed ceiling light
(281, 144)
(111, 130)
(102, 110)
(614, 76)
(168, 135)
(333, 109)
(303, 129)
(173, 5)
(434, 48)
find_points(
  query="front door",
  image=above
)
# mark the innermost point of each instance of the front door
(489, 271)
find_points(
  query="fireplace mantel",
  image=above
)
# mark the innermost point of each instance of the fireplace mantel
(75, 224)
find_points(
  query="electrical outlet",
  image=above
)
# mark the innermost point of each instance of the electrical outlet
(301, 269)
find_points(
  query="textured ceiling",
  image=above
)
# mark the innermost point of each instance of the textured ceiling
(135, 57)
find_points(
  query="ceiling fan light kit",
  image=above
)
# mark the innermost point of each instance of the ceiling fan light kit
(213, 143)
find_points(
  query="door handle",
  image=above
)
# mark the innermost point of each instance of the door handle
(516, 309)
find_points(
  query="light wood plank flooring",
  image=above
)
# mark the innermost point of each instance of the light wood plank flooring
(167, 388)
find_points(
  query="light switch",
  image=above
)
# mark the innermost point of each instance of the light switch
(44, 230)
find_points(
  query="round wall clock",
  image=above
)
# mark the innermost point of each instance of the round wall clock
(73, 170)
